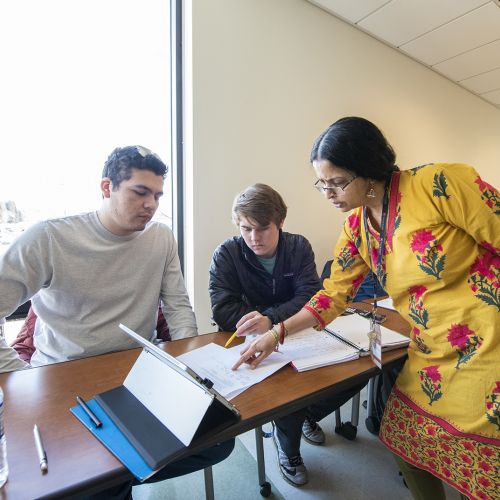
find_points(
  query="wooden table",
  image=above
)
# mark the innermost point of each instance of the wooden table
(79, 464)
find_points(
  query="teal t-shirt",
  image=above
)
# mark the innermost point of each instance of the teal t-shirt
(267, 264)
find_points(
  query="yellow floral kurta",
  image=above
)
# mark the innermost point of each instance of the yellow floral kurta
(442, 270)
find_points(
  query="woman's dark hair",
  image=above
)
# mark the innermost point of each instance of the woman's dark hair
(121, 161)
(357, 145)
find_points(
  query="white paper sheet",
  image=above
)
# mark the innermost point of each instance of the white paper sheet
(191, 400)
(214, 362)
(312, 349)
(387, 303)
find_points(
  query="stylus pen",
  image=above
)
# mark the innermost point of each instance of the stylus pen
(233, 336)
(88, 411)
(42, 456)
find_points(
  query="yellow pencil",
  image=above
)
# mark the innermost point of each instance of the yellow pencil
(233, 336)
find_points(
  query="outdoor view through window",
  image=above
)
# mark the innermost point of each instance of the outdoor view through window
(79, 77)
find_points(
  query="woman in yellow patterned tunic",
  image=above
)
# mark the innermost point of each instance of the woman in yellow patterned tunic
(441, 266)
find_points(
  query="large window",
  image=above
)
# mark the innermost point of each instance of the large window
(79, 77)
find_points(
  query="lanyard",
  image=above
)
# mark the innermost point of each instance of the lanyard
(381, 249)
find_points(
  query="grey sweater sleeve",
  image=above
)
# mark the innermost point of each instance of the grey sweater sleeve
(24, 269)
(9, 359)
(175, 301)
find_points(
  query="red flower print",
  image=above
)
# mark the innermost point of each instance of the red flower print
(490, 247)
(415, 331)
(484, 186)
(431, 431)
(353, 221)
(496, 390)
(465, 472)
(420, 240)
(484, 466)
(447, 460)
(357, 281)
(433, 373)
(412, 432)
(401, 425)
(397, 405)
(482, 495)
(323, 301)
(484, 481)
(484, 265)
(465, 458)
(446, 472)
(417, 290)
(353, 249)
(487, 452)
(458, 336)
(489, 405)
(473, 288)
(420, 420)
(468, 446)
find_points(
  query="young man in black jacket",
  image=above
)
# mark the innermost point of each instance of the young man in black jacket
(259, 279)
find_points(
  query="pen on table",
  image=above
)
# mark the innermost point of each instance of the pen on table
(88, 411)
(233, 336)
(42, 456)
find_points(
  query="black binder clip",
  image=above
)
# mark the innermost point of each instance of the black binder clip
(207, 383)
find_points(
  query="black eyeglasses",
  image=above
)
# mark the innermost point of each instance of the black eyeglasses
(322, 188)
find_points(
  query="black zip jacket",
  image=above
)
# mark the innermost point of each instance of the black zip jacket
(239, 284)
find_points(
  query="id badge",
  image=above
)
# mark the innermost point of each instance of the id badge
(375, 336)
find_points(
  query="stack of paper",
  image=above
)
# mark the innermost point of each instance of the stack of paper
(312, 349)
(215, 362)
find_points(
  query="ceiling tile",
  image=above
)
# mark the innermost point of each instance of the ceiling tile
(403, 20)
(493, 97)
(483, 83)
(476, 28)
(352, 10)
(471, 63)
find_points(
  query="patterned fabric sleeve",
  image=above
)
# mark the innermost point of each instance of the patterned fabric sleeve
(348, 272)
(468, 202)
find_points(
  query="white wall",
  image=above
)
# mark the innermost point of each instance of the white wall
(268, 77)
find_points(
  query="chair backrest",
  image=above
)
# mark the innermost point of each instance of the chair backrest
(20, 312)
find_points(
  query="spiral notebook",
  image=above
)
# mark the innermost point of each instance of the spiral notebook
(353, 331)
